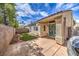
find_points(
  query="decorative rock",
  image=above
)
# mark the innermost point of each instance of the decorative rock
(23, 49)
(6, 35)
(15, 39)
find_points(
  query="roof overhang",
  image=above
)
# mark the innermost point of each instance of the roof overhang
(53, 17)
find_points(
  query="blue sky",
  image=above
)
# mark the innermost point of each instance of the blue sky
(27, 13)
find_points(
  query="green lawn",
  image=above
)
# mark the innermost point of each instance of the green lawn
(26, 37)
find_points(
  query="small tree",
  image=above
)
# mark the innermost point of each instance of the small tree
(9, 16)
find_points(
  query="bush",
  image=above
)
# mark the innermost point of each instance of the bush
(26, 37)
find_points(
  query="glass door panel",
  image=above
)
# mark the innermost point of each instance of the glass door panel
(52, 30)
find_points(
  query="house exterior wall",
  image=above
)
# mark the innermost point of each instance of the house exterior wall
(42, 32)
(62, 25)
(34, 32)
(61, 29)
(69, 18)
(59, 32)
(69, 23)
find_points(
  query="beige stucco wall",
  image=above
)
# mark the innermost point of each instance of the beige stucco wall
(61, 33)
(34, 32)
(69, 18)
(69, 22)
(64, 29)
(42, 32)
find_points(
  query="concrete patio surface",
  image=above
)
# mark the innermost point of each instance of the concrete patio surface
(51, 48)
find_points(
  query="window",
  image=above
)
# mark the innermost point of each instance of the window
(44, 28)
(35, 28)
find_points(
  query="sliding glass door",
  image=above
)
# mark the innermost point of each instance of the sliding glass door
(52, 30)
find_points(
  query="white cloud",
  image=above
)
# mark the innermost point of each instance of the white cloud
(46, 4)
(64, 6)
(25, 22)
(75, 8)
(21, 14)
(69, 5)
(26, 8)
(43, 13)
(28, 21)
(77, 20)
(59, 5)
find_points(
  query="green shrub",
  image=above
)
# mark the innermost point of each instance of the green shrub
(26, 37)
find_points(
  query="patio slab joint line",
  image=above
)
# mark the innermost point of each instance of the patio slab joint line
(56, 51)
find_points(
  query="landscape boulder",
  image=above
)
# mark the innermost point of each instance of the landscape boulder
(6, 35)
(28, 48)
(15, 39)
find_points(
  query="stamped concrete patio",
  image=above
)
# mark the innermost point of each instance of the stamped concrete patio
(50, 47)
